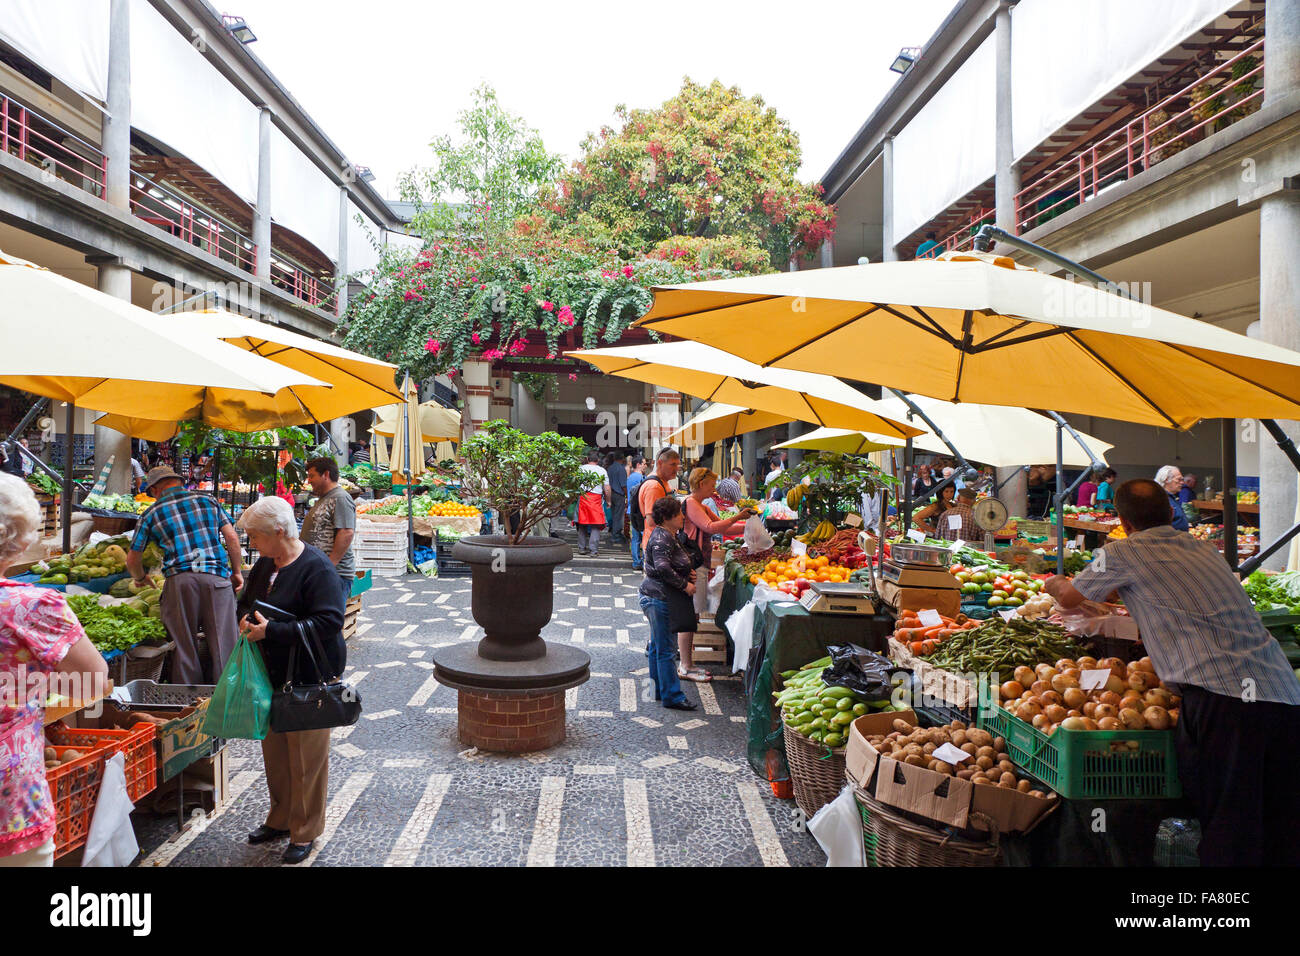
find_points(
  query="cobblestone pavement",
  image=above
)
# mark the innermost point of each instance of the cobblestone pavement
(633, 784)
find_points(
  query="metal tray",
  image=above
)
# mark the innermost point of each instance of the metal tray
(920, 554)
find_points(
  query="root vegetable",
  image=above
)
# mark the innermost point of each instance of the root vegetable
(1132, 719)
(1157, 718)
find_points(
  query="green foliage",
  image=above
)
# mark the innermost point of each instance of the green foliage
(115, 628)
(250, 465)
(709, 162)
(834, 478)
(534, 476)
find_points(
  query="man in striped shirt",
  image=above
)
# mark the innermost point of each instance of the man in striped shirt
(1238, 733)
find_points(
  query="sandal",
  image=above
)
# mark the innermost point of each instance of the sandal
(697, 674)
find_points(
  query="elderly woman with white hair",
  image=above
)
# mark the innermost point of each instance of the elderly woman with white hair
(1170, 478)
(39, 636)
(301, 581)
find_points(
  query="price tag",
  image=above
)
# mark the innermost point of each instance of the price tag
(1071, 546)
(917, 535)
(930, 618)
(1078, 541)
(1094, 679)
(797, 547)
(950, 754)
(957, 545)
(1007, 613)
(853, 521)
(954, 522)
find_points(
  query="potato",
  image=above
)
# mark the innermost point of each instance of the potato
(916, 760)
(943, 767)
(902, 726)
(69, 755)
(51, 754)
(928, 749)
(985, 751)
(883, 749)
(1038, 793)
(965, 774)
(981, 781)
(999, 744)
(984, 763)
(1024, 786)
(979, 737)
(1007, 779)
(969, 748)
(958, 737)
(1007, 767)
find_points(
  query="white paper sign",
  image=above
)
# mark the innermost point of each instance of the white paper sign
(916, 535)
(853, 521)
(1094, 679)
(954, 522)
(1078, 541)
(950, 754)
(1071, 546)
(797, 547)
(1007, 613)
(957, 545)
(931, 618)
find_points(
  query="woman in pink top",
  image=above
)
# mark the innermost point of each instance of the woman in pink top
(39, 635)
(700, 525)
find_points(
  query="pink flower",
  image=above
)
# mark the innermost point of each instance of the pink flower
(550, 355)
(627, 271)
(606, 274)
(451, 373)
(573, 376)
(410, 296)
(483, 285)
(433, 346)
(528, 287)
(475, 337)
(548, 306)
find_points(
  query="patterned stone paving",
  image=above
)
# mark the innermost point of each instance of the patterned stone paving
(633, 784)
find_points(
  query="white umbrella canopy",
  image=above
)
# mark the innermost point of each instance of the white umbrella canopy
(436, 422)
(719, 376)
(115, 357)
(980, 328)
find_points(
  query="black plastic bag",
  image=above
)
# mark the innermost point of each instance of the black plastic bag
(864, 672)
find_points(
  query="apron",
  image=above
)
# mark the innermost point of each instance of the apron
(591, 508)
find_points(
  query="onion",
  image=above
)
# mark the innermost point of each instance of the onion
(1105, 710)
(1074, 723)
(1073, 672)
(1089, 724)
(1040, 721)
(1025, 675)
(1132, 719)
(1051, 697)
(1063, 663)
(1158, 697)
(1061, 682)
(1157, 718)
(1040, 687)
(1117, 667)
(1116, 685)
(1144, 664)
(1087, 663)
(1110, 697)
(1089, 709)
(1055, 713)
(1045, 672)
(1074, 697)
(1109, 723)
(1029, 710)
(1140, 680)
(1012, 689)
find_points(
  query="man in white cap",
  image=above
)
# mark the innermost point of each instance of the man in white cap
(193, 530)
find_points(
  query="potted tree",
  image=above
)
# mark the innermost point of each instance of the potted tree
(528, 479)
(836, 485)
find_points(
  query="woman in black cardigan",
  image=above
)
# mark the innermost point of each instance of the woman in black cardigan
(300, 580)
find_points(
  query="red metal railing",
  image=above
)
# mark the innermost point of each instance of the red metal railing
(63, 155)
(961, 237)
(1232, 90)
(172, 212)
(298, 281)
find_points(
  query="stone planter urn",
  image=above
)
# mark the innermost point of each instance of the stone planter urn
(511, 683)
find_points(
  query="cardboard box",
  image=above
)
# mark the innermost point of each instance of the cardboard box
(943, 600)
(942, 799)
(860, 757)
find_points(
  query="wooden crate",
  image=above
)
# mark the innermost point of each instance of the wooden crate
(50, 512)
(350, 613)
(710, 645)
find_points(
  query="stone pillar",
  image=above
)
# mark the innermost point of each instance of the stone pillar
(502, 405)
(262, 211)
(114, 280)
(887, 200)
(1007, 177)
(342, 430)
(1279, 279)
(117, 121)
(647, 436)
(749, 451)
(341, 265)
(793, 431)
(1015, 493)
(665, 415)
(828, 254)
(477, 376)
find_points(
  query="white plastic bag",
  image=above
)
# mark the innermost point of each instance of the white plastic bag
(715, 588)
(111, 841)
(838, 828)
(741, 628)
(756, 536)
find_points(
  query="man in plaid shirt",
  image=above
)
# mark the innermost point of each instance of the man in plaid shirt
(193, 531)
(958, 522)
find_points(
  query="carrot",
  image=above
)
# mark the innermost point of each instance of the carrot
(931, 631)
(918, 647)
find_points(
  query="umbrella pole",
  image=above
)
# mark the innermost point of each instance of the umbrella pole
(1060, 498)
(1228, 437)
(66, 505)
(907, 486)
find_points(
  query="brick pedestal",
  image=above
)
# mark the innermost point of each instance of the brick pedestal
(510, 721)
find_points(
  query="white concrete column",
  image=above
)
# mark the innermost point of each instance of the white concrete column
(117, 122)
(647, 436)
(828, 254)
(1007, 178)
(342, 430)
(887, 200)
(502, 403)
(1279, 279)
(477, 376)
(114, 280)
(1015, 493)
(341, 265)
(262, 211)
(665, 415)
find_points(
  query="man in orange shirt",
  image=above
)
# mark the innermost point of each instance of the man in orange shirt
(655, 486)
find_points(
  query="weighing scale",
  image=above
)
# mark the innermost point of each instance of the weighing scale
(826, 597)
(990, 515)
(918, 566)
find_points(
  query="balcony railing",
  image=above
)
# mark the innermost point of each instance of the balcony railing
(26, 134)
(35, 139)
(1231, 91)
(961, 238)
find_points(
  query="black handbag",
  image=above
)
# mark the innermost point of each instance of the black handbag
(319, 706)
(692, 548)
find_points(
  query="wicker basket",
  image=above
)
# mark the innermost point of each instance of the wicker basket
(114, 526)
(816, 771)
(891, 840)
(139, 663)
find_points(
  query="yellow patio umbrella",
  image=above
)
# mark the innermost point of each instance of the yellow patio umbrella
(436, 423)
(406, 456)
(146, 428)
(718, 376)
(719, 422)
(843, 441)
(974, 327)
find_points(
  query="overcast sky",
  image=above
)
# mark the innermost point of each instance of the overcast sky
(382, 77)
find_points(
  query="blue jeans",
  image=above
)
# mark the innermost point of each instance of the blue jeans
(661, 652)
(634, 538)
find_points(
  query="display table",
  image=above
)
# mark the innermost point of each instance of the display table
(787, 636)
(1242, 509)
(1072, 836)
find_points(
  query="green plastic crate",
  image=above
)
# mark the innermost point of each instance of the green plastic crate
(1092, 764)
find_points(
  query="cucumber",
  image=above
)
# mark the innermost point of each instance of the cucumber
(837, 692)
(844, 703)
(833, 740)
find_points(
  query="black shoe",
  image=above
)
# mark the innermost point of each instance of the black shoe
(265, 834)
(297, 852)
(684, 705)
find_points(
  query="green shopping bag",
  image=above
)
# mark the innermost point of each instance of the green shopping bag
(241, 704)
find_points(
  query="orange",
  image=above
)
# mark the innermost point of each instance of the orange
(754, 579)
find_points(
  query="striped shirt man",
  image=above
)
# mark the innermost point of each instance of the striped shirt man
(1196, 621)
(187, 526)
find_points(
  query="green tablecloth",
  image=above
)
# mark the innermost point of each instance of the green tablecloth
(734, 596)
(786, 636)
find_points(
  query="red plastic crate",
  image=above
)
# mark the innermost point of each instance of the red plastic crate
(136, 745)
(75, 789)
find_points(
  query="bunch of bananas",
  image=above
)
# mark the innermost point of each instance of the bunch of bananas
(823, 532)
(795, 495)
